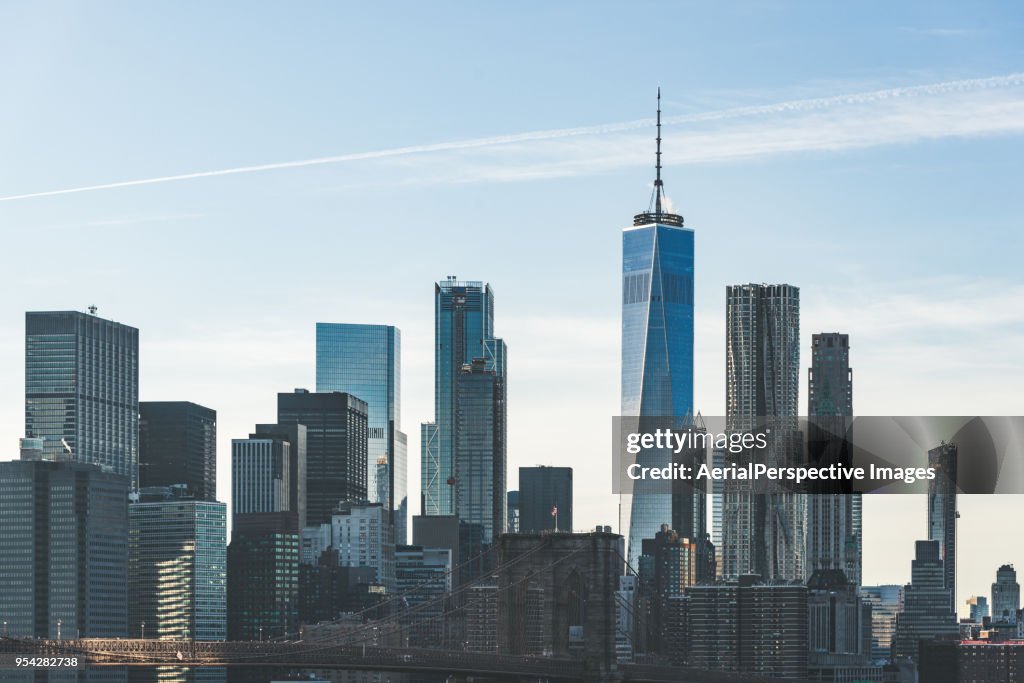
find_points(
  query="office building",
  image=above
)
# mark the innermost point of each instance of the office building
(627, 619)
(669, 565)
(424, 577)
(717, 495)
(750, 627)
(337, 439)
(833, 519)
(1005, 595)
(178, 445)
(927, 609)
(63, 572)
(463, 331)
(839, 629)
(657, 341)
(977, 607)
(886, 602)
(293, 435)
(262, 475)
(545, 496)
(177, 566)
(82, 389)
(942, 513)
(480, 447)
(328, 590)
(263, 576)
(764, 531)
(366, 361)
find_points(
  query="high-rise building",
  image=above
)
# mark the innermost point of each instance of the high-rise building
(82, 389)
(763, 532)
(657, 341)
(294, 435)
(839, 629)
(263, 558)
(423, 576)
(886, 602)
(977, 606)
(463, 326)
(717, 508)
(927, 610)
(1005, 595)
(545, 495)
(942, 513)
(366, 361)
(669, 566)
(480, 447)
(62, 571)
(177, 566)
(337, 438)
(178, 445)
(833, 519)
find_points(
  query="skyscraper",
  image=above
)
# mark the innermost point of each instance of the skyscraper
(657, 340)
(942, 514)
(178, 445)
(763, 533)
(927, 611)
(82, 389)
(833, 519)
(62, 571)
(480, 448)
(337, 439)
(463, 331)
(177, 566)
(543, 492)
(1005, 595)
(365, 361)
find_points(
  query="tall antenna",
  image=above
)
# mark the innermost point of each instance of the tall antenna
(657, 166)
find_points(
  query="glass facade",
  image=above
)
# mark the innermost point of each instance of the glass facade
(365, 361)
(82, 389)
(463, 322)
(336, 448)
(178, 445)
(177, 577)
(541, 490)
(657, 350)
(63, 559)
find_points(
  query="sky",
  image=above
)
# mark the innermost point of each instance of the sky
(224, 175)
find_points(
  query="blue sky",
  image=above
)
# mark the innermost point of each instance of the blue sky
(870, 153)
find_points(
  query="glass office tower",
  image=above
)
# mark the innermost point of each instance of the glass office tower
(178, 445)
(463, 324)
(657, 341)
(82, 389)
(177, 566)
(366, 361)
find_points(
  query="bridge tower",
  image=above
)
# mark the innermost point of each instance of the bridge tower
(556, 596)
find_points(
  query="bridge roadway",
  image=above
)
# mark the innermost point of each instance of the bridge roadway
(313, 654)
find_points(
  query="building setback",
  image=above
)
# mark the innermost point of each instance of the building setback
(63, 555)
(927, 610)
(178, 445)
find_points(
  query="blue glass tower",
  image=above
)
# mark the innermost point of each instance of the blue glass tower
(657, 339)
(365, 361)
(463, 331)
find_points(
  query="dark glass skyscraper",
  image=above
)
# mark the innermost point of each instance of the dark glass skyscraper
(63, 555)
(365, 361)
(463, 331)
(336, 446)
(178, 445)
(657, 340)
(942, 514)
(542, 490)
(82, 389)
(480, 449)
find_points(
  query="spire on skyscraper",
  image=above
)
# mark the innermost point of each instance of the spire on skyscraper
(654, 213)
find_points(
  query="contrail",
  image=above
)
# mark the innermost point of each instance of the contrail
(792, 106)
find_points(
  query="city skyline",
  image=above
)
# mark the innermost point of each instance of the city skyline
(844, 208)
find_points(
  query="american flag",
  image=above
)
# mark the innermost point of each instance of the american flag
(554, 510)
